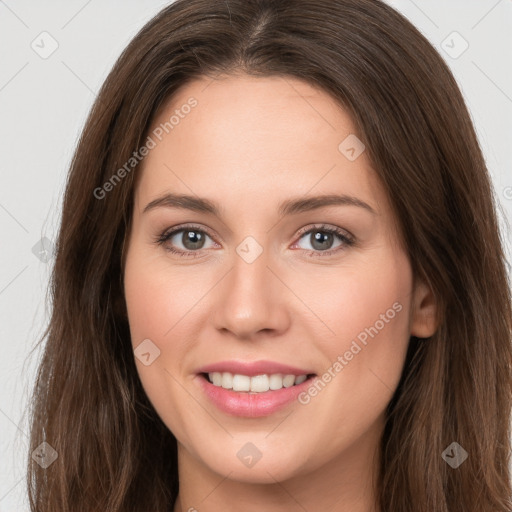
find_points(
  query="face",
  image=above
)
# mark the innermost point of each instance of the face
(256, 285)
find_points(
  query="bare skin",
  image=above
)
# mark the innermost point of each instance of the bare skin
(249, 144)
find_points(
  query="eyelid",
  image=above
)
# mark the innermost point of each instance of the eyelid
(346, 237)
(326, 227)
(183, 227)
(301, 231)
(347, 240)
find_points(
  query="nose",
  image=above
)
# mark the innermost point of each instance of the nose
(251, 300)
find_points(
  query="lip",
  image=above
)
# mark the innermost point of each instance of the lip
(246, 404)
(251, 405)
(252, 368)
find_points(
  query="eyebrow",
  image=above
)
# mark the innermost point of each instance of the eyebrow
(287, 207)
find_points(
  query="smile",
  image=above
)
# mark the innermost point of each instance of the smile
(255, 384)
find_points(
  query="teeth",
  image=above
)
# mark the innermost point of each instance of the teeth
(288, 381)
(276, 381)
(241, 383)
(216, 378)
(300, 379)
(256, 384)
(260, 383)
(227, 380)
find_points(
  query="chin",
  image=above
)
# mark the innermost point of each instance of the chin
(244, 464)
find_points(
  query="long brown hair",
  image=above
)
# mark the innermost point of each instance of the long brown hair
(114, 452)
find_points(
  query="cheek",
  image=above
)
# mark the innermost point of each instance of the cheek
(375, 302)
(368, 315)
(157, 312)
(375, 296)
(379, 330)
(156, 298)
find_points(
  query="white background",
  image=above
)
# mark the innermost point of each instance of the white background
(43, 105)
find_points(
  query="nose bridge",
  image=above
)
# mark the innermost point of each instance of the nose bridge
(249, 286)
(250, 296)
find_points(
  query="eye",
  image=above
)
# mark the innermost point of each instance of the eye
(322, 237)
(191, 238)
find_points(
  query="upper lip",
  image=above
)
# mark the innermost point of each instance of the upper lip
(252, 368)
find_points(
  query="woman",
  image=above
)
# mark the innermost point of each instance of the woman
(199, 355)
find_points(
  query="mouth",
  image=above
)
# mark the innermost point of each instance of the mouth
(256, 384)
(246, 396)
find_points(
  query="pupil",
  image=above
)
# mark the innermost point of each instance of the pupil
(321, 238)
(192, 239)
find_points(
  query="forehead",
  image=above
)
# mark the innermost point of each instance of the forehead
(256, 139)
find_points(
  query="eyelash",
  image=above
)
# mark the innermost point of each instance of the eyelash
(346, 240)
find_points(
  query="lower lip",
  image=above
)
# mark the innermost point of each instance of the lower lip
(251, 405)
